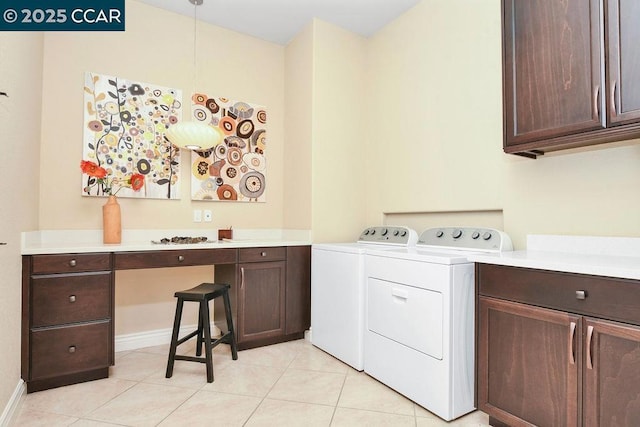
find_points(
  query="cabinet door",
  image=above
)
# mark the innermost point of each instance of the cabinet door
(528, 361)
(261, 300)
(298, 289)
(623, 66)
(553, 66)
(611, 374)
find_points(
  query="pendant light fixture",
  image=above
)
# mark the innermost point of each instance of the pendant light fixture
(193, 135)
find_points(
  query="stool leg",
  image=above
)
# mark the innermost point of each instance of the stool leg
(206, 326)
(200, 339)
(227, 312)
(174, 339)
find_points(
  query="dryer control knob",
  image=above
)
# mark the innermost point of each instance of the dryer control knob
(404, 233)
(396, 233)
(385, 231)
(475, 235)
(486, 236)
(439, 233)
(457, 233)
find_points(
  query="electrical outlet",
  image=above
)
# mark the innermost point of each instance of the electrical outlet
(208, 216)
(197, 215)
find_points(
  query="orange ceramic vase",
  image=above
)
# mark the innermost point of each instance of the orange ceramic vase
(111, 221)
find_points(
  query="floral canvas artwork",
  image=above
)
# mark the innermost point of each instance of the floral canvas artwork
(235, 169)
(124, 127)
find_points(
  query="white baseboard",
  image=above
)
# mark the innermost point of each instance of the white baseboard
(152, 338)
(11, 410)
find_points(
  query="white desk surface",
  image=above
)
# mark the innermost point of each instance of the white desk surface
(88, 241)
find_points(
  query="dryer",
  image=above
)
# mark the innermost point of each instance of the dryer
(419, 328)
(338, 290)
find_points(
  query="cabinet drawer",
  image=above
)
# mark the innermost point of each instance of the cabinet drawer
(262, 254)
(59, 299)
(177, 258)
(605, 297)
(70, 263)
(60, 351)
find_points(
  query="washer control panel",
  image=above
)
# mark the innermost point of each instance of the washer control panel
(466, 238)
(389, 235)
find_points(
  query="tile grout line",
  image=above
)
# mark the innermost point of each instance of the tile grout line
(271, 388)
(86, 416)
(335, 408)
(138, 382)
(198, 390)
(134, 382)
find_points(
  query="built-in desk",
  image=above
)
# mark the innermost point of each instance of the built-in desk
(68, 297)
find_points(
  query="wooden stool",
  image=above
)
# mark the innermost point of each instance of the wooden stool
(202, 293)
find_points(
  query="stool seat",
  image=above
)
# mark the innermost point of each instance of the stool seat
(203, 293)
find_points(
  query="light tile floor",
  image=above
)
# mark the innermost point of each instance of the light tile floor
(288, 384)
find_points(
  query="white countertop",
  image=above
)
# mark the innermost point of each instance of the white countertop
(600, 256)
(86, 241)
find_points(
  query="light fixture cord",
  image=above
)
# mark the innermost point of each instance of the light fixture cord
(195, 46)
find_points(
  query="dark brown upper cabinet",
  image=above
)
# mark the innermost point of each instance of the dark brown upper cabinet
(623, 62)
(571, 73)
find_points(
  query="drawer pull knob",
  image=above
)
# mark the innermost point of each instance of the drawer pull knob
(72, 349)
(263, 253)
(73, 263)
(581, 294)
(72, 298)
(180, 258)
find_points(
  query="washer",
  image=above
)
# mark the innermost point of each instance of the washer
(419, 329)
(338, 290)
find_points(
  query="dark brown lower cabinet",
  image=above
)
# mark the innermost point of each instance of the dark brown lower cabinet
(261, 300)
(67, 319)
(543, 366)
(611, 374)
(528, 364)
(271, 298)
(298, 290)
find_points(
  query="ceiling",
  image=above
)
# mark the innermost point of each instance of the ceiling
(278, 21)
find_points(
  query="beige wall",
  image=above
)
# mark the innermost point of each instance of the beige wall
(21, 79)
(156, 47)
(435, 122)
(339, 144)
(145, 302)
(298, 129)
(435, 110)
(325, 132)
(593, 192)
